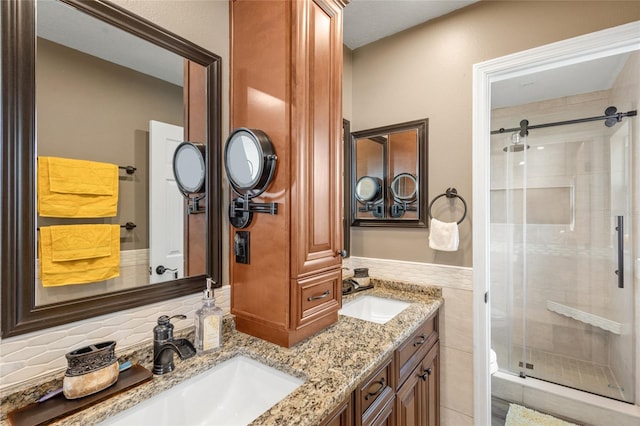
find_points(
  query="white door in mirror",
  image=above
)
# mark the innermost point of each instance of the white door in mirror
(166, 204)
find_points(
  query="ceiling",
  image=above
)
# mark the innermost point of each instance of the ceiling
(366, 21)
(584, 77)
(63, 24)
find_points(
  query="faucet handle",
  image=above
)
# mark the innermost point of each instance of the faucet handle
(166, 320)
(164, 329)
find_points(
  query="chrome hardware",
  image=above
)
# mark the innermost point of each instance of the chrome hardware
(377, 392)
(422, 340)
(341, 253)
(322, 296)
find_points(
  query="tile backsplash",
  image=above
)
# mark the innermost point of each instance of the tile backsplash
(30, 356)
(414, 272)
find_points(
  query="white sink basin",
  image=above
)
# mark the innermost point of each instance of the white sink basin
(374, 309)
(234, 392)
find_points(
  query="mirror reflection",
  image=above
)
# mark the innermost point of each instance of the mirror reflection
(99, 116)
(244, 156)
(108, 97)
(389, 175)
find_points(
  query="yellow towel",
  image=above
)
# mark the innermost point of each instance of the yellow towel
(76, 188)
(78, 254)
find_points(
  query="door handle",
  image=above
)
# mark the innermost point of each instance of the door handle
(620, 271)
(162, 269)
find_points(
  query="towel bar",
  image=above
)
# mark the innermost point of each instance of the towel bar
(129, 226)
(129, 169)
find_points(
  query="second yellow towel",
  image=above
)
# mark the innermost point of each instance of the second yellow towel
(76, 188)
(79, 254)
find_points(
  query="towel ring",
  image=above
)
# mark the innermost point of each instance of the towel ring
(450, 193)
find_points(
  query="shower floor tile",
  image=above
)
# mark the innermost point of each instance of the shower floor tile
(584, 375)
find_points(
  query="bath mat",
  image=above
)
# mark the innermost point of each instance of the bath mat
(521, 416)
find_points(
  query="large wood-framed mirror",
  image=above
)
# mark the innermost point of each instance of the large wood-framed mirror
(26, 304)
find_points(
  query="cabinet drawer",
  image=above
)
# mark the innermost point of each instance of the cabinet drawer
(387, 416)
(409, 354)
(316, 296)
(375, 392)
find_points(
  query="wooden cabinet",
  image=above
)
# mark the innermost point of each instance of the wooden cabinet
(409, 405)
(387, 416)
(405, 390)
(341, 416)
(375, 394)
(417, 401)
(286, 80)
(418, 396)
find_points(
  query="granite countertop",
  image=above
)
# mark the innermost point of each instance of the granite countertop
(331, 363)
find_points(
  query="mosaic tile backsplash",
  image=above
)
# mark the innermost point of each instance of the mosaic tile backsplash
(30, 356)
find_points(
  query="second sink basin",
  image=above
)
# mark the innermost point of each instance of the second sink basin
(235, 392)
(373, 308)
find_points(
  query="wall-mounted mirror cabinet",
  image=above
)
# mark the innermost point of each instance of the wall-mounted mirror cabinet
(389, 175)
(106, 85)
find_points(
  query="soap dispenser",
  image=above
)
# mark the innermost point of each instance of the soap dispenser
(208, 322)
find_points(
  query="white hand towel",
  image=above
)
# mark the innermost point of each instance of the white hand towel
(443, 236)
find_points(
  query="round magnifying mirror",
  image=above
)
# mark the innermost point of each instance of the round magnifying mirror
(249, 160)
(189, 167)
(404, 187)
(368, 189)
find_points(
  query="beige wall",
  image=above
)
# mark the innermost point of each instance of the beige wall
(92, 109)
(426, 71)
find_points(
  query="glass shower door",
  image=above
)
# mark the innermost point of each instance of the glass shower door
(561, 229)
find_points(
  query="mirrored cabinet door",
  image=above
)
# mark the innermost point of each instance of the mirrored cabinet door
(388, 177)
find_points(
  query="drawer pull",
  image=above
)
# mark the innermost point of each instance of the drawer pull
(377, 392)
(421, 341)
(322, 296)
(427, 372)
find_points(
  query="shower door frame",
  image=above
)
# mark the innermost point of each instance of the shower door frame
(612, 41)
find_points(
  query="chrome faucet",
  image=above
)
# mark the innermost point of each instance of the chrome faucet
(164, 345)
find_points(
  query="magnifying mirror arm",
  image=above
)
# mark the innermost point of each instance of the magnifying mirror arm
(193, 202)
(243, 205)
(368, 206)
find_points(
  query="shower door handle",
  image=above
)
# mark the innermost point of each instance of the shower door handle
(620, 270)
